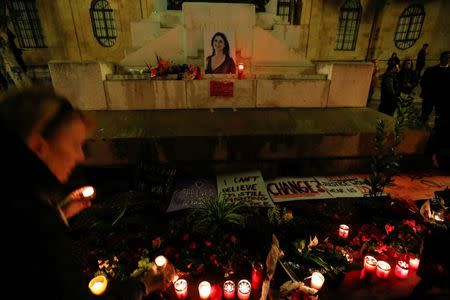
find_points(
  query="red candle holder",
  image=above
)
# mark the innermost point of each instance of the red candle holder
(343, 231)
(244, 289)
(204, 290)
(383, 269)
(401, 269)
(370, 264)
(240, 70)
(229, 289)
(257, 275)
(414, 263)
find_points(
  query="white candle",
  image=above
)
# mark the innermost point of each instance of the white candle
(383, 269)
(370, 263)
(244, 289)
(160, 261)
(204, 289)
(414, 263)
(229, 289)
(401, 269)
(343, 231)
(317, 280)
(181, 288)
(98, 285)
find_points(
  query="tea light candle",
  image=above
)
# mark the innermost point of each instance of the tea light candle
(160, 261)
(401, 269)
(317, 280)
(181, 288)
(244, 289)
(383, 269)
(414, 263)
(257, 275)
(204, 289)
(370, 263)
(98, 285)
(229, 289)
(343, 231)
(88, 191)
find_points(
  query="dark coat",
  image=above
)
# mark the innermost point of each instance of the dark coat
(389, 93)
(435, 85)
(38, 261)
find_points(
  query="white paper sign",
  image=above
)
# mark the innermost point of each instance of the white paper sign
(296, 188)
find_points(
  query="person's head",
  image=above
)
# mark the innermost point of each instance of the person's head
(375, 61)
(394, 54)
(219, 42)
(425, 46)
(394, 68)
(444, 58)
(407, 64)
(49, 125)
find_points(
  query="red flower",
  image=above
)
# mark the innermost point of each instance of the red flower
(192, 245)
(185, 237)
(389, 228)
(208, 243)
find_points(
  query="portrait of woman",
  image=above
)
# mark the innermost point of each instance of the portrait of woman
(220, 61)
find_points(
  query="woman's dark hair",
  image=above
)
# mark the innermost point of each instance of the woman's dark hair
(226, 49)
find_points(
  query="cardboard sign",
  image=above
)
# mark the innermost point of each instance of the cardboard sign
(188, 193)
(296, 188)
(247, 187)
(415, 187)
(221, 88)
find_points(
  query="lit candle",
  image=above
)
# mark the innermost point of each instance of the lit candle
(181, 288)
(317, 280)
(414, 263)
(370, 264)
(98, 285)
(88, 191)
(160, 261)
(244, 289)
(257, 275)
(204, 289)
(229, 289)
(240, 70)
(401, 269)
(383, 269)
(343, 231)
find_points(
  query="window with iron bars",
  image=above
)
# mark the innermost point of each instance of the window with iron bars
(349, 20)
(24, 16)
(103, 24)
(289, 11)
(409, 26)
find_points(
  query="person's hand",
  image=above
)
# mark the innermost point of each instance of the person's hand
(74, 207)
(157, 279)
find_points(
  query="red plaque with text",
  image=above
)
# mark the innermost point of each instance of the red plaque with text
(221, 88)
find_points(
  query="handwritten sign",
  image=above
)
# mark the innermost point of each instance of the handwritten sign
(188, 193)
(246, 187)
(345, 186)
(221, 88)
(415, 187)
(296, 188)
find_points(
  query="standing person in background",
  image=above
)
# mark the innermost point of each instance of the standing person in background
(407, 77)
(393, 60)
(43, 142)
(435, 85)
(389, 90)
(374, 81)
(421, 59)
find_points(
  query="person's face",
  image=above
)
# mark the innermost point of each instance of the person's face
(64, 150)
(218, 43)
(408, 64)
(445, 60)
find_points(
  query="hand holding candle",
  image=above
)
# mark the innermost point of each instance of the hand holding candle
(77, 201)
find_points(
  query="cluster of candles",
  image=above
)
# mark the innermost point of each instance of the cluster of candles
(382, 268)
(244, 289)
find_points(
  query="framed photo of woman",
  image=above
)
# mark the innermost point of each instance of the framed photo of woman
(219, 52)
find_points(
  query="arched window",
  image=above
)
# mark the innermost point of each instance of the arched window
(25, 18)
(409, 26)
(348, 25)
(103, 24)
